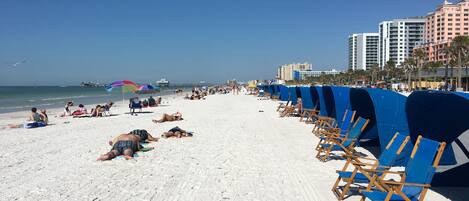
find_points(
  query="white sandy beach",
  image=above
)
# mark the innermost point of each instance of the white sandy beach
(237, 153)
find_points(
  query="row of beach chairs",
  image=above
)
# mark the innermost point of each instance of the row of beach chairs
(373, 179)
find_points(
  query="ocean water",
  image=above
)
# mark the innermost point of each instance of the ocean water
(21, 98)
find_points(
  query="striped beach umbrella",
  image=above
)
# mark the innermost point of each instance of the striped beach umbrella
(125, 85)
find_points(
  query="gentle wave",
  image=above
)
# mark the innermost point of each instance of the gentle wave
(26, 106)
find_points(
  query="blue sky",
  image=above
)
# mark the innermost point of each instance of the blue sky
(65, 42)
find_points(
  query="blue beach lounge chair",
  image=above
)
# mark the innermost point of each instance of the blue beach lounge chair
(330, 130)
(360, 175)
(308, 107)
(416, 178)
(325, 126)
(135, 104)
(345, 143)
(289, 110)
(284, 97)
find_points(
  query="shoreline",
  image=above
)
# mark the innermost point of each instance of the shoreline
(18, 117)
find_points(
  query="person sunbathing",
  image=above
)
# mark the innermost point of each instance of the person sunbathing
(176, 132)
(35, 120)
(296, 111)
(97, 111)
(169, 117)
(125, 145)
(143, 135)
(81, 111)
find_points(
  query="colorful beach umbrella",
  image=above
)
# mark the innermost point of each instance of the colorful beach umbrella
(147, 89)
(126, 85)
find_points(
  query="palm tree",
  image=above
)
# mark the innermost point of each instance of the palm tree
(389, 67)
(460, 45)
(409, 65)
(420, 57)
(449, 54)
(374, 70)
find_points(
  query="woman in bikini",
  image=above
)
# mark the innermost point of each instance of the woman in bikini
(169, 117)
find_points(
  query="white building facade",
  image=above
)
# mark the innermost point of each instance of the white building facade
(397, 39)
(363, 50)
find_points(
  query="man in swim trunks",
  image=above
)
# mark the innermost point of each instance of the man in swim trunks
(143, 135)
(125, 144)
(169, 117)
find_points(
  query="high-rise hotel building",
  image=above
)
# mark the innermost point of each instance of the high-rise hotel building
(441, 26)
(363, 51)
(397, 39)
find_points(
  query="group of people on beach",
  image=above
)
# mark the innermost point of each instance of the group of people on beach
(197, 93)
(81, 111)
(128, 144)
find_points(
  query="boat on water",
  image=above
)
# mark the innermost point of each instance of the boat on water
(162, 82)
(90, 84)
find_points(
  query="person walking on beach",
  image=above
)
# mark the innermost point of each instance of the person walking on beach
(125, 145)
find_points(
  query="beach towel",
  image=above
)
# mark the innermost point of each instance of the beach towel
(35, 124)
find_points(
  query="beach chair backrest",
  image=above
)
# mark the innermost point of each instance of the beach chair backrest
(306, 99)
(392, 150)
(422, 165)
(284, 93)
(293, 98)
(347, 121)
(356, 131)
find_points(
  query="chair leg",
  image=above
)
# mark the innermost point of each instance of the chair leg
(302, 116)
(335, 188)
(348, 184)
(326, 154)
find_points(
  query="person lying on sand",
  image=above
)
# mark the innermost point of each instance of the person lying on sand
(169, 117)
(125, 144)
(176, 132)
(143, 135)
(297, 111)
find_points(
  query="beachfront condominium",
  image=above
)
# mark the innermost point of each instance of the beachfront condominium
(363, 50)
(441, 26)
(397, 39)
(286, 71)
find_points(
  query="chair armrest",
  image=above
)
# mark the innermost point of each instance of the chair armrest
(406, 184)
(401, 173)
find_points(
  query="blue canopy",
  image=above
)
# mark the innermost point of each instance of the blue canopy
(306, 98)
(315, 97)
(443, 116)
(284, 93)
(293, 97)
(329, 101)
(390, 118)
(341, 101)
(322, 102)
(276, 90)
(361, 102)
(298, 92)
